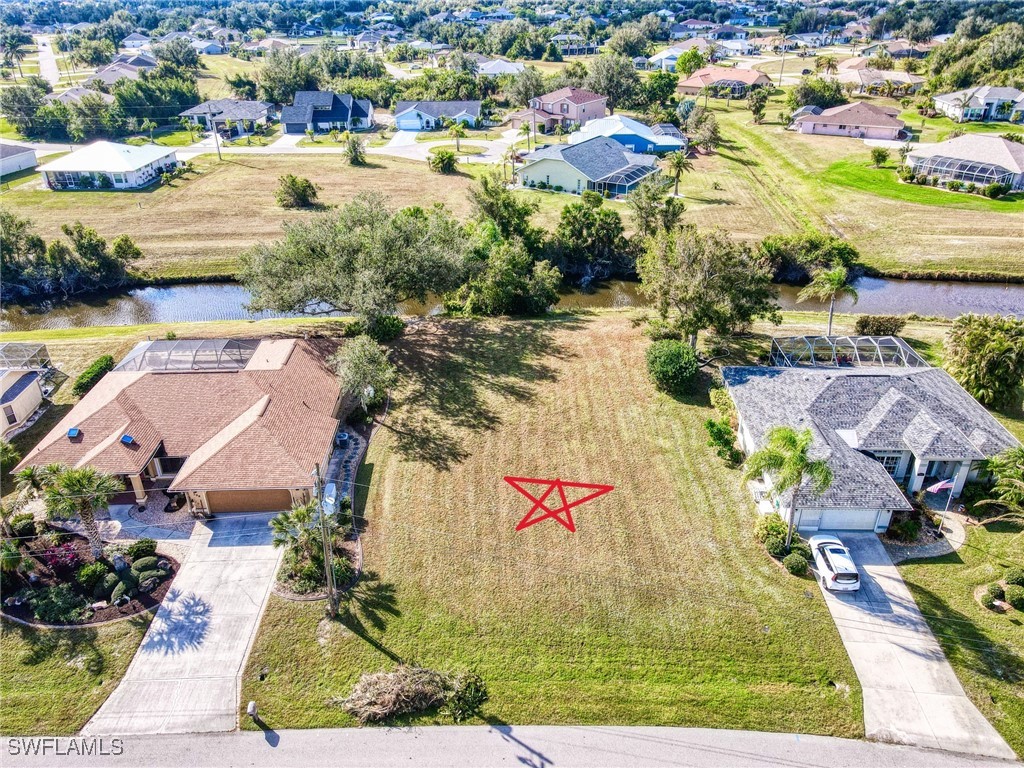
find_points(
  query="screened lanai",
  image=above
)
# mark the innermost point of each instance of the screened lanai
(190, 355)
(621, 182)
(958, 169)
(14, 356)
(836, 351)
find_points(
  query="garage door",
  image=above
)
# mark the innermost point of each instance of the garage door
(848, 520)
(249, 501)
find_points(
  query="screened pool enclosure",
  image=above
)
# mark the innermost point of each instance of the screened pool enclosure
(957, 169)
(190, 355)
(836, 351)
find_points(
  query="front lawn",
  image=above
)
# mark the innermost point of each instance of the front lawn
(856, 174)
(933, 129)
(466, 149)
(165, 137)
(51, 682)
(471, 133)
(660, 609)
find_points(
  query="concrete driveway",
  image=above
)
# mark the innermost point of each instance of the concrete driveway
(911, 694)
(185, 677)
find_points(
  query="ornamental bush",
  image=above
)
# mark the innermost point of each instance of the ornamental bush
(996, 590)
(141, 548)
(1015, 596)
(722, 439)
(62, 558)
(988, 601)
(23, 524)
(144, 564)
(88, 378)
(880, 325)
(155, 573)
(104, 588)
(58, 605)
(803, 549)
(1014, 576)
(385, 329)
(795, 564)
(776, 545)
(770, 525)
(90, 575)
(672, 365)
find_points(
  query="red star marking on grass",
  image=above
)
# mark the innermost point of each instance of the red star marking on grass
(541, 511)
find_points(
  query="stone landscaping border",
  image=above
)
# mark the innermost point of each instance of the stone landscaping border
(38, 625)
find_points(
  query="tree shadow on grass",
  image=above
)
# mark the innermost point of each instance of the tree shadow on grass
(451, 367)
(367, 607)
(80, 647)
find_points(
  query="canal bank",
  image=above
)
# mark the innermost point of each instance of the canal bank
(212, 301)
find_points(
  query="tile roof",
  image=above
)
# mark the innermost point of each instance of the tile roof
(977, 147)
(851, 410)
(571, 94)
(595, 158)
(712, 75)
(264, 426)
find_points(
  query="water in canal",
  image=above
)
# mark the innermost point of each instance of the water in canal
(226, 301)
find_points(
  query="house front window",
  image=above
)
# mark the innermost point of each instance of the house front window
(10, 415)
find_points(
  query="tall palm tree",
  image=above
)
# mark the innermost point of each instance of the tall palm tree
(678, 164)
(828, 285)
(827, 64)
(524, 130)
(149, 125)
(82, 492)
(457, 132)
(785, 458)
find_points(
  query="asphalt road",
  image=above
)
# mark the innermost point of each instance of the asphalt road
(481, 747)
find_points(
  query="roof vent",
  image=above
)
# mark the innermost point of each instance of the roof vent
(127, 439)
(73, 433)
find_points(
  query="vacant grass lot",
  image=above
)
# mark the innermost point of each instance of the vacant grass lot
(661, 608)
(779, 181)
(216, 68)
(52, 682)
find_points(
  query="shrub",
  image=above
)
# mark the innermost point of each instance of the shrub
(295, 192)
(803, 549)
(468, 693)
(880, 325)
(92, 574)
(954, 185)
(144, 564)
(988, 601)
(721, 401)
(879, 156)
(795, 564)
(155, 573)
(995, 190)
(722, 439)
(106, 586)
(141, 548)
(770, 525)
(387, 328)
(1015, 596)
(88, 378)
(996, 590)
(776, 545)
(23, 524)
(409, 690)
(904, 530)
(128, 584)
(63, 557)
(443, 161)
(971, 188)
(58, 605)
(672, 365)
(1014, 576)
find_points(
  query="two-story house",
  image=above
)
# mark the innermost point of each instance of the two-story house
(566, 107)
(323, 111)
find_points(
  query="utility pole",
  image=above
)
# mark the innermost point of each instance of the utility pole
(216, 141)
(332, 602)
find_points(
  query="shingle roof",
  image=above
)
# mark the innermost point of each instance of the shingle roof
(571, 94)
(76, 94)
(230, 109)
(329, 107)
(440, 108)
(264, 426)
(977, 147)
(857, 113)
(10, 150)
(898, 409)
(976, 97)
(595, 158)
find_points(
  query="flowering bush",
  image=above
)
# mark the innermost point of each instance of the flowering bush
(63, 557)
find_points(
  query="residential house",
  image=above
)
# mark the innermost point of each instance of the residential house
(135, 40)
(26, 378)
(974, 158)
(689, 28)
(880, 80)
(107, 165)
(727, 32)
(858, 120)
(641, 62)
(738, 81)
(430, 115)
(209, 47)
(599, 164)
(498, 67)
(15, 158)
(242, 114)
(236, 425)
(111, 73)
(267, 44)
(566, 107)
(898, 49)
(735, 47)
(324, 111)
(137, 59)
(571, 44)
(808, 39)
(76, 94)
(880, 417)
(987, 102)
(632, 134)
(172, 36)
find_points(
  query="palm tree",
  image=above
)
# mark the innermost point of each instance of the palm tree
(457, 132)
(298, 530)
(678, 164)
(31, 480)
(827, 64)
(828, 285)
(785, 458)
(149, 125)
(524, 129)
(13, 560)
(81, 492)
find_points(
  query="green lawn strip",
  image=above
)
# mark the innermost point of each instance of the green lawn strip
(986, 648)
(864, 177)
(51, 682)
(660, 609)
(427, 136)
(938, 128)
(165, 137)
(467, 149)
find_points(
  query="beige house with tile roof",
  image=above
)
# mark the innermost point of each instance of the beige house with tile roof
(857, 120)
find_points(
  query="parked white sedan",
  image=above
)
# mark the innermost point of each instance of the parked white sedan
(834, 564)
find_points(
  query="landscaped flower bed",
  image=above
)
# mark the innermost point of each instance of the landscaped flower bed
(53, 578)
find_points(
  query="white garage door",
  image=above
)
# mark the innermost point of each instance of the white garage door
(848, 520)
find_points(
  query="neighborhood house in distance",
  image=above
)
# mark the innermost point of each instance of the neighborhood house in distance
(324, 111)
(597, 165)
(109, 165)
(879, 414)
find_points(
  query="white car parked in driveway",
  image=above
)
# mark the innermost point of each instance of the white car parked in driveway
(834, 564)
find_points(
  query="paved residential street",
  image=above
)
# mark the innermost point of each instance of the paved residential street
(47, 60)
(911, 694)
(185, 675)
(503, 745)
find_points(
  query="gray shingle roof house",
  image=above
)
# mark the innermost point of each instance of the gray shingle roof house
(599, 164)
(216, 112)
(324, 111)
(877, 427)
(984, 103)
(425, 115)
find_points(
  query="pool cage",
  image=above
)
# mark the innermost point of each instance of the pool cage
(843, 351)
(948, 169)
(15, 356)
(190, 355)
(622, 181)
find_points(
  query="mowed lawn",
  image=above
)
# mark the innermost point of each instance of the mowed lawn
(660, 609)
(51, 682)
(793, 181)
